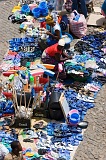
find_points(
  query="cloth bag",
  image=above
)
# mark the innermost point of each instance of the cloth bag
(78, 24)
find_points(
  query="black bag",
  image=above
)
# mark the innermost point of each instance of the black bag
(64, 22)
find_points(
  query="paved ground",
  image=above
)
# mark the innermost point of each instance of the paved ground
(93, 146)
(7, 29)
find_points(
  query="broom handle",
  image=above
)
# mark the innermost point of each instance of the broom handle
(34, 104)
(15, 95)
(38, 97)
(20, 103)
(13, 98)
(28, 104)
(57, 76)
(25, 102)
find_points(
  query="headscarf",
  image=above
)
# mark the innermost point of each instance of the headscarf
(49, 19)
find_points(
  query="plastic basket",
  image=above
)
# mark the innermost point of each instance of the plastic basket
(69, 36)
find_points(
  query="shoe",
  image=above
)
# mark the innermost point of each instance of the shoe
(84, 98)
(28, 140)
(83, 124)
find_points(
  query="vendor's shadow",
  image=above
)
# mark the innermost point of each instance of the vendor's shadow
(101, 21)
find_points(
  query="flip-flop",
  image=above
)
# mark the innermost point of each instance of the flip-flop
(40, 125)
(28, 140)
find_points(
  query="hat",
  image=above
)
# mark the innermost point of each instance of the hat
(61, 42)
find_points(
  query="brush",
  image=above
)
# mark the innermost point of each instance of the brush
(11, 79)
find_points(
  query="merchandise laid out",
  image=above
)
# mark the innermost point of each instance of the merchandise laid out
(46, 86)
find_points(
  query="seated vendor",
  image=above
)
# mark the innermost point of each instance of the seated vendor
(55, 54)
(16, 153)
(54, 31)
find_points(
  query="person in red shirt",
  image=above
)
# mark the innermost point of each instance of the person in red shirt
(55, 54)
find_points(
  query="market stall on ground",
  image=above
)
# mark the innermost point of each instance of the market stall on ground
(43, 105)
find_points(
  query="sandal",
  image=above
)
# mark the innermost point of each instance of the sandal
(83, 124)
(28, 140)
(40, 125)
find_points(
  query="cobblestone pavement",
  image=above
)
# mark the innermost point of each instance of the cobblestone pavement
(7, 29)
(93, 147)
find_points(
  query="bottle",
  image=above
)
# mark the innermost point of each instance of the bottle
(31, 81)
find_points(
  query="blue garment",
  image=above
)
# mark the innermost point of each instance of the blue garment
(82, 6)
(104, 6)
(50, 41)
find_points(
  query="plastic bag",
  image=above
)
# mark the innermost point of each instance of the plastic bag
(78, 24)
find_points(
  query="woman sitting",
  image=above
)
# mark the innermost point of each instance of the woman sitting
(103, 11)
(54, 30)
(55, 54)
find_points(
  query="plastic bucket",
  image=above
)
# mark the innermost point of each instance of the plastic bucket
(44, 13)
(44, 8)
(32, 6)
(74, 117)
(43, 5)
(25, 9)
(73, 111)
(68, 39)
(36, 12)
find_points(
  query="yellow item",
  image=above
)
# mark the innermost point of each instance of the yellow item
(16, 74)
(25, 27)
(82, 64)
(49, 19)
(16, 8)
(29, 154)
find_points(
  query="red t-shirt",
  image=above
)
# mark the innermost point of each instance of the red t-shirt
(52, 50)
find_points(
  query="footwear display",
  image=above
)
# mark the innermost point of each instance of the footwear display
(79, 80)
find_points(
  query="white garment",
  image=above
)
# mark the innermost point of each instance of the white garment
(56, 27)
(3, 151)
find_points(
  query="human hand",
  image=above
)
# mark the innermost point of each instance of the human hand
(70, 57)
(48, 33)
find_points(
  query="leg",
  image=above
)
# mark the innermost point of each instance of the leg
(75, 5)
(83, 8)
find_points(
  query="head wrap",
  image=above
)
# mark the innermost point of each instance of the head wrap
(49, 19)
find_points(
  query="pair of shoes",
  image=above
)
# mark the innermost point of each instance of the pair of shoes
(85, 98)
(42, 135)
(91, 87)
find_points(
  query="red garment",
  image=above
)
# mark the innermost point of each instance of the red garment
(52, 50)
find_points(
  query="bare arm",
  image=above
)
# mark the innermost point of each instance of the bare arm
(56, 36)
(66, 55)
(59, 58)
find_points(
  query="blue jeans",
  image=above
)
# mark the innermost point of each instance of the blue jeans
(83, 8)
